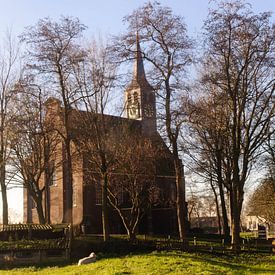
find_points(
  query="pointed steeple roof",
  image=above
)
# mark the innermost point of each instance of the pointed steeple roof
(139, 77)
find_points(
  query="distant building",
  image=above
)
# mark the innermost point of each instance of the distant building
(205, 224)
(259, 225)
(140, 105)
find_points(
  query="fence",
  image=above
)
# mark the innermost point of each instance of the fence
(216, 245)
(21, 244)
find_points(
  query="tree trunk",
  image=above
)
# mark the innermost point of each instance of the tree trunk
(181, 205)
(5, 212)
(47, 197)
(68, 184)
(131, 234)
(236, 230)
(39, 209)
(226, 229)
(105, 222)
(236, 215)
(47, 178)
(180, 201)
(5, 209)
(217, 207)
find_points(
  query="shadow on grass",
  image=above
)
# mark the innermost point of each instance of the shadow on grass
(7, 266)
(207, 261)
(243, 263)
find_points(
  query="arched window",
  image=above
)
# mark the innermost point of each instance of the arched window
(135, 97)
(129, 98)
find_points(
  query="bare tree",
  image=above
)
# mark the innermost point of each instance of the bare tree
(9, 74)
(239, 53)
(208, 146)
(262, 201)
(132, 189)
(167, 49)
(97, 76)
(54, 51)
(194, 207)
(33, 146)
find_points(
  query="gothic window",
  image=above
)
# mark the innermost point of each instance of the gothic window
(135, 97)
(129, 98)
(98, 194)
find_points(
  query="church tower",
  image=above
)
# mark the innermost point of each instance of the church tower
(140, 99)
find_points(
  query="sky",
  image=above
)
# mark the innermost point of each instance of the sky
(104, 16)
(101, 17)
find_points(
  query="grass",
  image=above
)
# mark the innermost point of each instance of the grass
(160, 263)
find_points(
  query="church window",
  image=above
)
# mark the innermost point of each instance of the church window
(135, 97)
(98, 194)
(129, 98)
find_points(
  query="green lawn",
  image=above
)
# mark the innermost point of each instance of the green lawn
(161, 263)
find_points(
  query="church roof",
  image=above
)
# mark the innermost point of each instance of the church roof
(83, 121)
(83, 126)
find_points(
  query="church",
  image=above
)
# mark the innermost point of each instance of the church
(140, 115)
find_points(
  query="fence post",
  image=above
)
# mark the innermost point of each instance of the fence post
(223, 246)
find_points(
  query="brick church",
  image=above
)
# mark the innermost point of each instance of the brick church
(140, 114)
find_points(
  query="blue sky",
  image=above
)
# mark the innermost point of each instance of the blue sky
(103, 16)
(100, 16)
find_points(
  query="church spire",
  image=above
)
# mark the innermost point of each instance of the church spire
(139, 73)
(139, 78)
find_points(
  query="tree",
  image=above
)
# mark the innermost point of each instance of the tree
(133, 185)
(167, 49)
(9, 74)
(54, 51)
(208, 145)
(97, 77)
(33, 146)
(262, 201)
(239, 52)
(194, 208)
